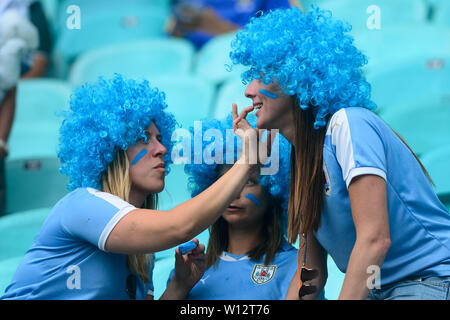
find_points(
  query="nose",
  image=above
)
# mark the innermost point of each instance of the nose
(159, 149)
(252, 89)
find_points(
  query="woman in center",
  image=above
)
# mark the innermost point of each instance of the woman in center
(247, 255)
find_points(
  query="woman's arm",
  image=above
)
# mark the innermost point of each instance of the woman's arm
(316, 259)
(143, 231)
(369, 210)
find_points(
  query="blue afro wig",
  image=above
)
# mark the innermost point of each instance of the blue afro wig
(309, 55)
(201, 176)
(105, 117)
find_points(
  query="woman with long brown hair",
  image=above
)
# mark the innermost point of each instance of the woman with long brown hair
(357, 191)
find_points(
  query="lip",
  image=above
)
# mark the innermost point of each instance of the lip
(233, 208)
(160, 166)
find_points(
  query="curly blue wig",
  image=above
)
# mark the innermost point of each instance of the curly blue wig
(201, 176)
(309, 55)
(105, 117)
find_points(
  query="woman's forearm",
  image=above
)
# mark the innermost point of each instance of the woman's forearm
(201, 211)
(366, 256)
(143, 231)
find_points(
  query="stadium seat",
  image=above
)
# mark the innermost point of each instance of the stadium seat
(105, 22)
(8, 268)
(437, 164)
(394, 45)
(188, 97)
(41, 100)
(232, 91)
(33, 183)
(213, 58)
(37, 119)
(441, 12)
(334, 281)
(18, 231)
(360, 13)
(416, 81)
(142, 59)
(424, 127)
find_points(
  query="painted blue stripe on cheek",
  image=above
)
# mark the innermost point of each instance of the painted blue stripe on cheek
(253, 198)
(268, 93)
(138, 157)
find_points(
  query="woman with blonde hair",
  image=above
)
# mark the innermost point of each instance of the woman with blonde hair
(115, 143)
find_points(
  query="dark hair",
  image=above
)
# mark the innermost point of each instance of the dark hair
(272, 234)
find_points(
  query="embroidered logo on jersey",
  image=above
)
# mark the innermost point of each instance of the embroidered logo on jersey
(327, 186)
(262, 274)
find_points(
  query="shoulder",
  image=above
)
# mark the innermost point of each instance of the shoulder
(346, 116)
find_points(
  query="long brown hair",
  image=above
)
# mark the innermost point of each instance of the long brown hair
(116, 180)
(272, 235)
(307, 177)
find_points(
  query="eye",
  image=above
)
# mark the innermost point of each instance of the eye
(159, 137)
(250, 182)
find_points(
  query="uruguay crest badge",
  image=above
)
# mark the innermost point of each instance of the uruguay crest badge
(262, 274)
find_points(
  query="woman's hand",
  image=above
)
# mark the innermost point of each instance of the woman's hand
(189, 268)
(251, 138)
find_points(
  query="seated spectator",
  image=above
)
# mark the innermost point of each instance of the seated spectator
(247, 256)
(200, 20)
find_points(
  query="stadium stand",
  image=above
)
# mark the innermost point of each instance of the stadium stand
(436, 162)
(142, 59)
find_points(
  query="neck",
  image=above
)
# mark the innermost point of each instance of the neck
(137, 198)
(242, 240)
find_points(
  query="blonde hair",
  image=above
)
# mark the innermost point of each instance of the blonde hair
(116, 180)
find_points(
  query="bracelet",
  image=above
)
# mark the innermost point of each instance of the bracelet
(4, 146)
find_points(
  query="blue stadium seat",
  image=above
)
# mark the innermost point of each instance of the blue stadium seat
(33, 183)
(8, 268)
(441, 12)
(18, 231)
(232, 91)
(416, 81)
(424, 127)
(105, 22)
(188, 97)
(213, 57)
(357, 13)
(37, 119)
(394, 45)
(437, 164)
(142, 59)
(40, 100)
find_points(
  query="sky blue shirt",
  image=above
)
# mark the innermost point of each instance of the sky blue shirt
(358, 142)
(237, 277)
(238, 12)
(68, 260)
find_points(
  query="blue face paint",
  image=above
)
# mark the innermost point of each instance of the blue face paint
(187, 247)
(268, 93)
(139, 156)
(253, 198)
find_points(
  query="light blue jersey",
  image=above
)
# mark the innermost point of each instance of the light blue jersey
(68, 259)
(358, 142)
(237, 277)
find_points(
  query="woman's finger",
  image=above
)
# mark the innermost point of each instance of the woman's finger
(246, 111)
